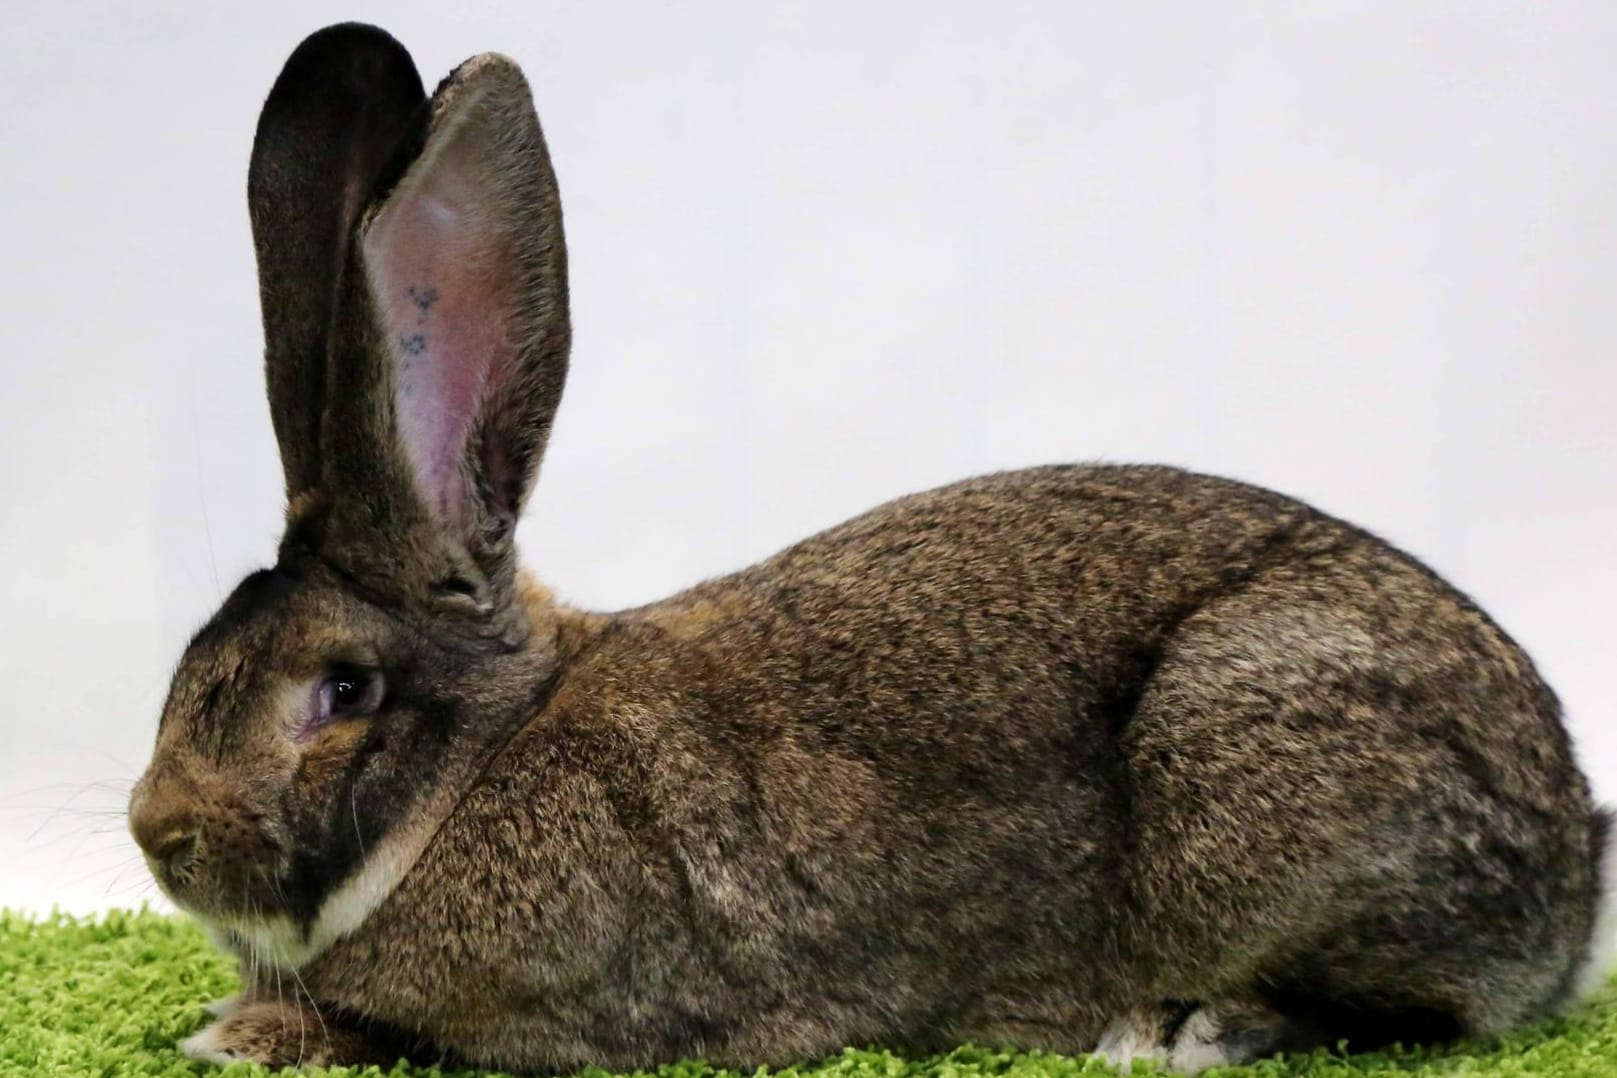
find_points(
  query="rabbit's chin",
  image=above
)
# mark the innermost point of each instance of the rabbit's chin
(279, 941)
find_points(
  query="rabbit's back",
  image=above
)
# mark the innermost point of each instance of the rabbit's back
(1259, 743)
(1007, 760)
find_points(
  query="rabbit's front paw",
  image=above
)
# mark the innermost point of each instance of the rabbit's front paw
(280, 1035)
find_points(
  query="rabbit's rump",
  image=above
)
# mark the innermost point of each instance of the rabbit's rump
(1154, 760)
(1349, 800)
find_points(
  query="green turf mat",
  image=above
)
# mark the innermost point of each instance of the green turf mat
(111, 996)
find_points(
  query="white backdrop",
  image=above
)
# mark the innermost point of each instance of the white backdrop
(824, 254)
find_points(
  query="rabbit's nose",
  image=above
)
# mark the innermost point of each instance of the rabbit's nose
(172, 846)
(176, 852)
(167, 832)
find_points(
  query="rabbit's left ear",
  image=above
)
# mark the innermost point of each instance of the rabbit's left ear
(459, 276)
(338, 109)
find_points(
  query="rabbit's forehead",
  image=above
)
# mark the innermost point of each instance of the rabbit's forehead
(288, 615)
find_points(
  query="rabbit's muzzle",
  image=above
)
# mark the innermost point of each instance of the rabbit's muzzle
(209, 852)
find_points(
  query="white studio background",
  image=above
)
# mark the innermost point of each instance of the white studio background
(824, 254)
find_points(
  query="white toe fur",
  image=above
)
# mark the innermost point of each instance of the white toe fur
(1128, 1039)
(205, 1047)
(1196, 1047)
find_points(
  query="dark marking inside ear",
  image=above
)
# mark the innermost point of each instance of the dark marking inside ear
(423, 298)
(442, 381)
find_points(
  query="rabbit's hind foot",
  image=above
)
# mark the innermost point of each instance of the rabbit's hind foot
(1188, 1038)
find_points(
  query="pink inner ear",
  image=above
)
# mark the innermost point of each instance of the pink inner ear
(434, 263)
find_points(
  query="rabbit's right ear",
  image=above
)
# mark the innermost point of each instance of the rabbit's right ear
(338, 110)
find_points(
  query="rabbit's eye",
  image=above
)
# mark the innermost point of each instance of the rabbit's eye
(346, 692)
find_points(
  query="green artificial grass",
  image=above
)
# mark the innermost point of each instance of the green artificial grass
(112, 995)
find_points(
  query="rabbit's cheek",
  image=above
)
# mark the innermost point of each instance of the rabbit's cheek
(332, 747)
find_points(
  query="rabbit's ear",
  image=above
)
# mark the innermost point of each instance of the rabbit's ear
(336, 114)
(459, 275)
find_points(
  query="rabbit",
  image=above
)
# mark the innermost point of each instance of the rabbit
(1076, 758)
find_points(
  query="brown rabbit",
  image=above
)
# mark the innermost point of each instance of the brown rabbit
(1073, 758)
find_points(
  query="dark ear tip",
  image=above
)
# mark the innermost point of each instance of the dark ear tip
(350, 59)
(343, 40)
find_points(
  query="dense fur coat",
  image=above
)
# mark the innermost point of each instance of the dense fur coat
(1073, 758)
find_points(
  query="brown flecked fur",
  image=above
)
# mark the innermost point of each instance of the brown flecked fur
(1020, 760)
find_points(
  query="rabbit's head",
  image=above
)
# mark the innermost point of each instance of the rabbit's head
(413, 280)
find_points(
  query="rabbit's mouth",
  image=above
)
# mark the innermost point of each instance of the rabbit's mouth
(220, 879)
(247, 906)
